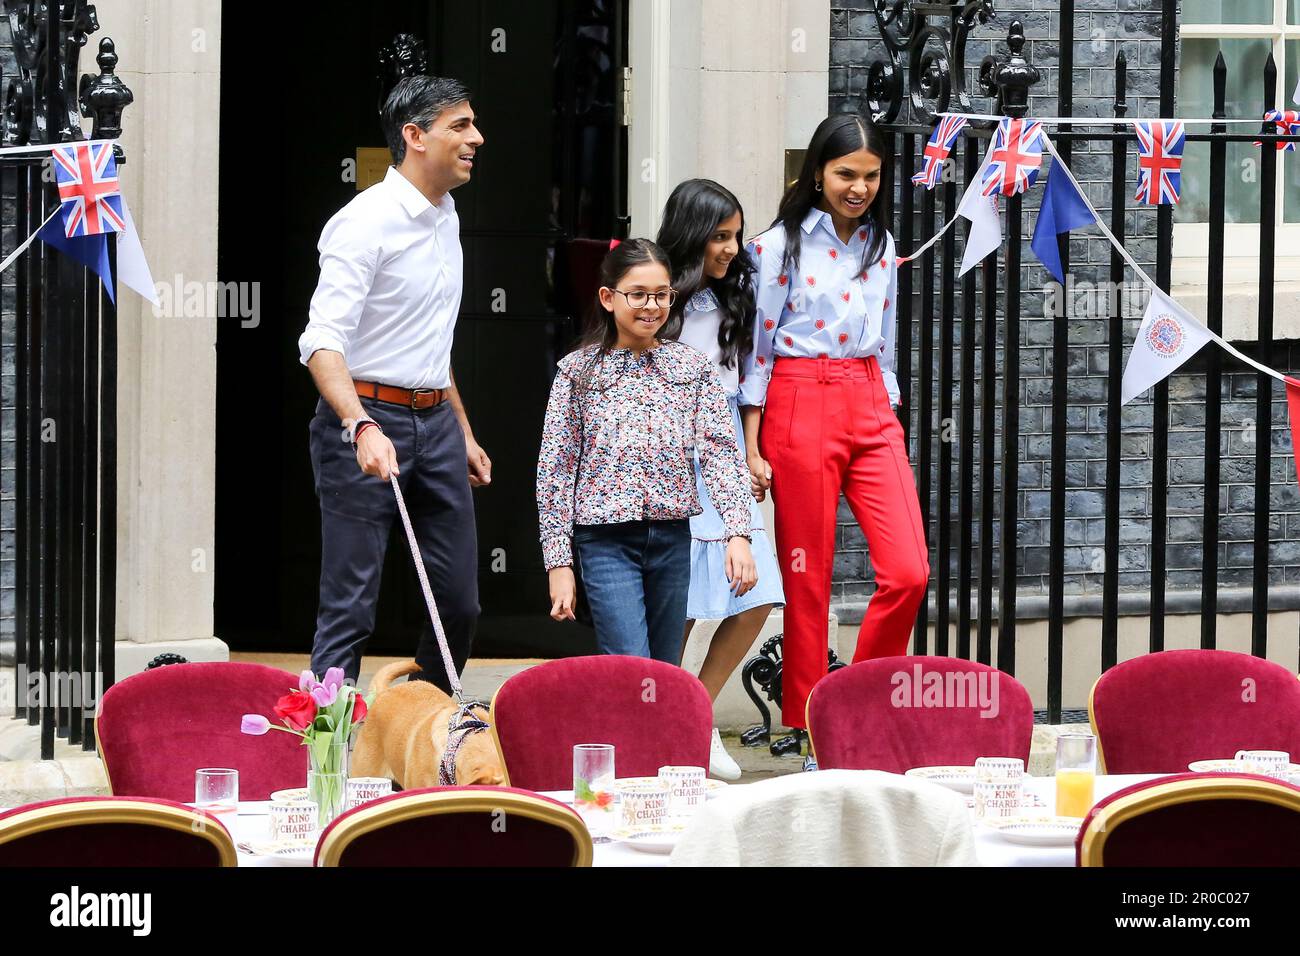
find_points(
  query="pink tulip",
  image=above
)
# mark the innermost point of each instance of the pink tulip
(333, 678)
(324, 694)
(306, 680)
(254, 724)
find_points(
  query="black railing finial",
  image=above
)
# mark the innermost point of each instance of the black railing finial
(104, 97)
(1015, 75)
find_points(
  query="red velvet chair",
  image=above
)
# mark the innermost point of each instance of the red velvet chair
(655, 715)
(889, 714)
(112, 831)
(1194, 819)
(1159, 712)
(456, 827)
(156, 728)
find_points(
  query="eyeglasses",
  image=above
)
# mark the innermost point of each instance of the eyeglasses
(639, 299)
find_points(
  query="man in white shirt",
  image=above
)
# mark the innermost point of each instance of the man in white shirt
(378, 345)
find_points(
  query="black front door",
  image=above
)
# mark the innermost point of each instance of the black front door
(297, 101)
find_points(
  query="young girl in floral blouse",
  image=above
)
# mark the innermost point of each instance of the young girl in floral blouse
(616, 480)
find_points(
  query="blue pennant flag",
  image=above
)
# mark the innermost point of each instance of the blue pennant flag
(1063, 210)
(91, 251)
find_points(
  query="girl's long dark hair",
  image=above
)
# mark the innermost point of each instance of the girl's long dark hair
(837, 135)
(601, 330)
(692, 215)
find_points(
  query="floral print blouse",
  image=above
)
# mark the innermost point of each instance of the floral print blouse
(618, 441)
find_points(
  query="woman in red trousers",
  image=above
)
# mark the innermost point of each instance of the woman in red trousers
(821, 401)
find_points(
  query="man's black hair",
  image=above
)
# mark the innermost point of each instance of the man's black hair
(418, 100)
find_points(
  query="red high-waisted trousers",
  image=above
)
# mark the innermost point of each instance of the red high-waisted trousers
(827, 427)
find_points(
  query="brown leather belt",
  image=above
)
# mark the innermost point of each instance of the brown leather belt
(406, 397)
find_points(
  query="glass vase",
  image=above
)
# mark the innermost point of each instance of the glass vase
(327, 779)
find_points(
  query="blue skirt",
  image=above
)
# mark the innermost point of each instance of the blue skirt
(710, 595)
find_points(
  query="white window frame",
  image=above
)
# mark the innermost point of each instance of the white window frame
(1192, 239)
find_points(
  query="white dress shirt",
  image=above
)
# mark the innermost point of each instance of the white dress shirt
(828, 308)
(390, 286)
(700, 323)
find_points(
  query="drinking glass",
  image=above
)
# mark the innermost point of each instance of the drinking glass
(216, 789)
(1076, 772)
(593, 786)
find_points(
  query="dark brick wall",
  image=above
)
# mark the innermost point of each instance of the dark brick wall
(7, 332)
(1101, 28)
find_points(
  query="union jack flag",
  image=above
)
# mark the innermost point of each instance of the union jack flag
(1287, 123)
(89, 190)
(1015, 157)
(1160, 161)
(937, 150)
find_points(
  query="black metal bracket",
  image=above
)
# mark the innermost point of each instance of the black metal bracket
(765, 670)
(935, 52)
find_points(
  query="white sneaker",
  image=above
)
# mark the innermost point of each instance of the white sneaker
(720, 763)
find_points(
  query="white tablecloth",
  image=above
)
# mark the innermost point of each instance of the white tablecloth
(250, 825)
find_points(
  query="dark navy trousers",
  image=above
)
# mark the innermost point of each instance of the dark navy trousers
(357, 515)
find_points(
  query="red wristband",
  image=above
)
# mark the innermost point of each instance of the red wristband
(362, 426)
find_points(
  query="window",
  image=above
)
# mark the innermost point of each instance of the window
(1245, 31)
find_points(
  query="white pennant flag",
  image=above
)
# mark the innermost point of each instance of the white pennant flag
(1169, 336)
(985, 227)
(985, 223)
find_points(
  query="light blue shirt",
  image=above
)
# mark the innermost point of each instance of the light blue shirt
(827, 308)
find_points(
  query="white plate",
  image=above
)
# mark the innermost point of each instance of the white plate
(961, 779)
(1037, 831)
(1228, 766)
(650, 839)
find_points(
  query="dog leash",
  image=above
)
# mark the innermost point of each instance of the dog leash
(438, 632)
(463, 722)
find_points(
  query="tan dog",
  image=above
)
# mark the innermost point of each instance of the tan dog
(404, 735)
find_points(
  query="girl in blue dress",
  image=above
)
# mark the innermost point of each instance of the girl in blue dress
(702, 233)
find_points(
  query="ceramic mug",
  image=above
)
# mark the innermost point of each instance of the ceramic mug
(999, 787)
(1268, 763)
(364, 789)
(293, 821)
(685, 790)
(643, 804)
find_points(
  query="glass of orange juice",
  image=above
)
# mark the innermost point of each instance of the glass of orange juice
(1076, 770)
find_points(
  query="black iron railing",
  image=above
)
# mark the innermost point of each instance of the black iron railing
(65, 405)
(924, 73)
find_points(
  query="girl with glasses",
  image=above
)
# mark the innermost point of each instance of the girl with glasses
(629, 410)
(702, 232)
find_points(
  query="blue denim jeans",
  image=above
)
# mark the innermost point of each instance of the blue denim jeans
(637, 575)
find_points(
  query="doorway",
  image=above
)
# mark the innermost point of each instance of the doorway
(298, 100)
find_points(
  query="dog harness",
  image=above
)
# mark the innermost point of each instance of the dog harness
(461, 725)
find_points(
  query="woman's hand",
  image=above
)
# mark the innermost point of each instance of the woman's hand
(742, 573)
(760, 475)
(564, 593)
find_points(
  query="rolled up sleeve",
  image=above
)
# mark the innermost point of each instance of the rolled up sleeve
(889, 328)
(348, 259)
(770, 292)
